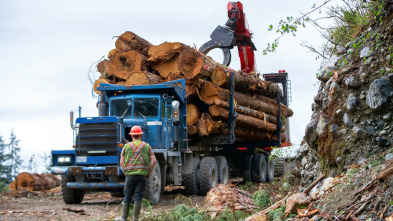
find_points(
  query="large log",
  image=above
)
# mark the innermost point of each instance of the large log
(211, 92)
(125, 63)
(249, 82)
(34, 182)
(248, 111)
(143, 78)
(193, 114)
(243, 120)
(132, 42)
(194, 64)
(165, 51)
(167, 68)
(273, 101)
(209, 127)
(104, 67)
(97, 84)
(192, 129)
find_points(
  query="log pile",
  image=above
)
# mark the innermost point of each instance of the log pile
(34, 182)
(135, 61)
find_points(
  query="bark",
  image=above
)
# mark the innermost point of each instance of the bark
(273, 101)
(132, 42)
(104, 67)
(192, 129)
(248, 111)
(193, 114)
(143, 78)
(210, 92)
(126, 63)
(243, 120)
(194, 64)
(209, 127)
(167, 68)
(165, 51)
(34, 182)
(97, 84)
(249, 82)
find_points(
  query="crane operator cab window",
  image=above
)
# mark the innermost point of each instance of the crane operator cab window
(121, 107)
(145, 107)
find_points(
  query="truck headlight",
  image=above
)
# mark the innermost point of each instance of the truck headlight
(64, 159)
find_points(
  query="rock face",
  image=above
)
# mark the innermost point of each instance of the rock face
(353, 110)
(379, 93)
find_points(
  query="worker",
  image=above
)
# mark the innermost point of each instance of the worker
(137, 161)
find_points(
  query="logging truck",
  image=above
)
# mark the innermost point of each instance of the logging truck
(196, 162)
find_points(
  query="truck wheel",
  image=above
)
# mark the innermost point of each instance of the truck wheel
(279, 167)
(208, 174)
(270, 168)
(247, 168)
(71, 196)
(222, 167)
(258, 168)
(117, 194)
(191, 180)
(153, 187)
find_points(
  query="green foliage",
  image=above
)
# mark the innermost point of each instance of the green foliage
(5, 168)
(4, 187)
(247, 186)
(228, 215)
(261, 198)
(277, 214)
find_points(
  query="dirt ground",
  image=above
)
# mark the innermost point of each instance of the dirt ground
(95, 206)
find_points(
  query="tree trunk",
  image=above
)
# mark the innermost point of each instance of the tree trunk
(132, 42)
(97, 84)
(194, 64)
(167, 68)
(34, 182)
(243, 120)
(193, 114)
(248, 111)
(192, 129)
(165, 51)
(273, 101)
(143, 78)
(104, 67)
(211, 92)
(125, 63)
(208, 127)
(248, 82)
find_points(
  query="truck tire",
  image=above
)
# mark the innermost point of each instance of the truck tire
(270, 168)
(71, 196)
(279, 167)
(222, 167)
(191, 184)
(258, 168)
(207, 175)
(153, 185)
(117, 194)
(247, 168)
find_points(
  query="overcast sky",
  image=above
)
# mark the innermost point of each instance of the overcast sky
(47, 48)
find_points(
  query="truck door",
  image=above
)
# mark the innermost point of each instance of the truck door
(167, 126)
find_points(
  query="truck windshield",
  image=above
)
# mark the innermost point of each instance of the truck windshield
(118, 107)
(145, 107)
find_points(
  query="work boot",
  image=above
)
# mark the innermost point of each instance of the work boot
(124, 214)
(137, 210)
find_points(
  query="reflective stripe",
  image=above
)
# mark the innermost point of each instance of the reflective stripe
(154, 123)
(136, 167)
(137, 152)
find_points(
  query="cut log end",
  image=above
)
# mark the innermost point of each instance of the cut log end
(137, 78)
(127, 62)
(97, 84)
(164, 52)
(193, 114)
(190, 63)
(165, 69)
(218, 76)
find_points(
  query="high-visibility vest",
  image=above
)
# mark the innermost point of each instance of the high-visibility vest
(137, 160)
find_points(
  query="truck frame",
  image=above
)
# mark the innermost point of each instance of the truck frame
(160, 110)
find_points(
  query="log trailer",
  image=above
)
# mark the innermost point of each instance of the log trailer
(160, 110)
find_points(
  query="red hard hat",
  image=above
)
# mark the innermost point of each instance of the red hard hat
(136, 130)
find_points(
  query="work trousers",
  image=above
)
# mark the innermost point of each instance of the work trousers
(135, 186)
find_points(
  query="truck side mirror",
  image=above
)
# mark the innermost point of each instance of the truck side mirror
(175, 112)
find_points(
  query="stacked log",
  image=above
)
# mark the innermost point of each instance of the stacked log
(135, 61)
(35, 182)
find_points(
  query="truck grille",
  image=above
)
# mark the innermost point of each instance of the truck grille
(97, 137)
